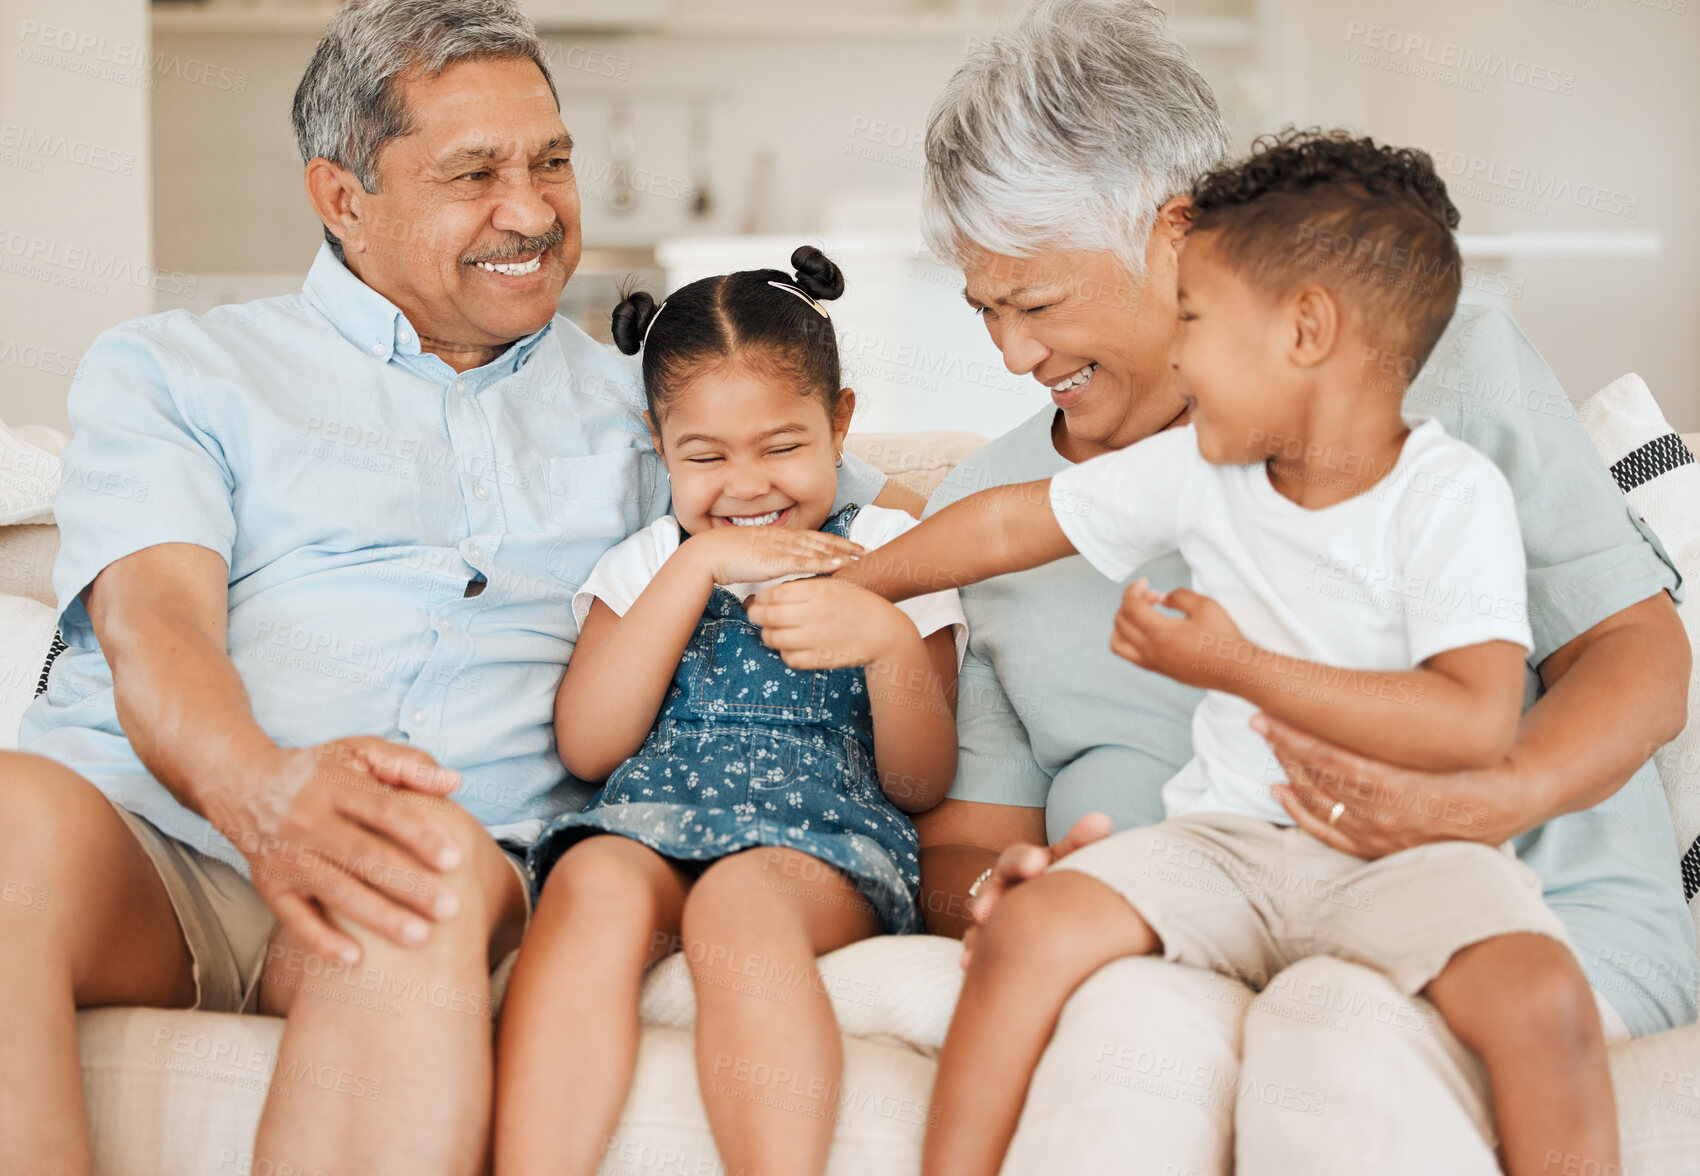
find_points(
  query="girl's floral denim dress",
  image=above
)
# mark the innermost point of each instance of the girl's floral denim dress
(749, 752)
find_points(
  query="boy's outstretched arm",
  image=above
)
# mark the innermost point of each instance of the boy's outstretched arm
(1004, 529)
(1458, 710)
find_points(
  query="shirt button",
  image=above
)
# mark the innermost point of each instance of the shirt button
(419, 717)
(446, 625)
(480, 491)
(377, 349)
(460, 386)
(477, 553)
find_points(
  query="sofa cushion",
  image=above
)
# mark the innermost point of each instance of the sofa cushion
(896, 988)
(29, 631)
(916, 460)
(29, 473)
(27, 551)
(173, 1093)
(1657, 473)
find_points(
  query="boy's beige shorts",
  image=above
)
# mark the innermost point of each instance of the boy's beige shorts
(1248, 898)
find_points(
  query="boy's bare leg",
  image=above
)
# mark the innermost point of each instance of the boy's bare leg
(1522, 1003)
(1045, 938)
(769, 1054)
(84, 920)
(569, 1032)
(404, 1087)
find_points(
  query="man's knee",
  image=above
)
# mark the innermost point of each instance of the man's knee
(485, 879)
(488, 891)
(50, 817)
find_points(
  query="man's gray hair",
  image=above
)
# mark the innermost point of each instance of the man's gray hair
(1068, 130)
(349, 105)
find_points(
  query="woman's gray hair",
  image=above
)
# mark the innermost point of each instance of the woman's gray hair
(1068, 130)
(348, 104)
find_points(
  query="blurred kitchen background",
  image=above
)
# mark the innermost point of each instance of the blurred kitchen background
(147, 162)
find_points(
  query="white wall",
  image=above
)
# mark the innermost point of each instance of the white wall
(838, 118)
(839, 124)
(1626, 134)
(75, 192)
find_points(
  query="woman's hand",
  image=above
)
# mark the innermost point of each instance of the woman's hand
(825, 624)
(747, 555)
(1022, 863)
(1387, 808)
(1196, 648)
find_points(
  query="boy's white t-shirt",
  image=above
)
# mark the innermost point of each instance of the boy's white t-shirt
(622, 574)
(1428, 559)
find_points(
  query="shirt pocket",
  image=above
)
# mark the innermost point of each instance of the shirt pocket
(594, 501)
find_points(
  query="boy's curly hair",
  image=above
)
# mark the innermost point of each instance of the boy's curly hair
(1371, 223)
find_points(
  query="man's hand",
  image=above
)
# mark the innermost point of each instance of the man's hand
(1386, 808)
(347, 827)
(1195, 648)
(824, 624)
(1022, 863)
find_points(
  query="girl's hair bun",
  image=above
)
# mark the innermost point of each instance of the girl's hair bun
(816, 275)
(631, 320)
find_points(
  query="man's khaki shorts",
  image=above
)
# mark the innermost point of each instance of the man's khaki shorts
(1248, 898)
(225, 922)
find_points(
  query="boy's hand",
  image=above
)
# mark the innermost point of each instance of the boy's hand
(825, 623)
(745, 555)
(1022, 863)
(1196, 648)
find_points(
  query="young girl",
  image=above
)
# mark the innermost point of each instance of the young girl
(753, 810)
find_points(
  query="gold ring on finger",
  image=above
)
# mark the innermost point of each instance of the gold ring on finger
(1336, 812)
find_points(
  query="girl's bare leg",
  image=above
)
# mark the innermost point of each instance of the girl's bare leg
(567, 1042)
(1523, 1004)
(1045, 938)
(769, 1056)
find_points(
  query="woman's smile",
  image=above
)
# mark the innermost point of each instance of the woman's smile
(1071, 389)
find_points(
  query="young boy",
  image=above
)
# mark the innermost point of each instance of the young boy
(1359, 575)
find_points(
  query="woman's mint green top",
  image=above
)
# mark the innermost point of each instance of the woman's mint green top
(1049, 716)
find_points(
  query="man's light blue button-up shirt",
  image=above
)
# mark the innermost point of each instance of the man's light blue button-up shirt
(356, 487)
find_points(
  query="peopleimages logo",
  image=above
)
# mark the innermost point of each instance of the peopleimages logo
(1525, 188)
(28, 147)
(126, 62)
(41, 257)
(1452, 63)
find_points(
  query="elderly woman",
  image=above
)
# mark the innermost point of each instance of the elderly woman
(1057, 162)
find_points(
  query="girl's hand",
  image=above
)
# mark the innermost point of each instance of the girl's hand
(746, 555)
(1196, 648)
(825, 624)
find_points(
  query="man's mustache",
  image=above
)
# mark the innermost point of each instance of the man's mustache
(523, 247)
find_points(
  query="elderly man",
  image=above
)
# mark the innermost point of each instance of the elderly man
(308, 687)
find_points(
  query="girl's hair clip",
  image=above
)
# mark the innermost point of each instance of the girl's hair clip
(645, 341)
(818, 308)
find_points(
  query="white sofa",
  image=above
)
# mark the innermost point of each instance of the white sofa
(180, 1093)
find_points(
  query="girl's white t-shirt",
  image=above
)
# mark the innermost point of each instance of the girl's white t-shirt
(1429, 558)
(620, 577)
